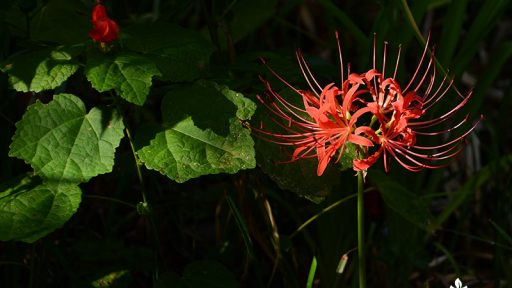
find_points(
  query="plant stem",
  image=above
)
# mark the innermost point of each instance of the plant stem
(138, 164)
(147, 211)
(326, 209)
(360, 230)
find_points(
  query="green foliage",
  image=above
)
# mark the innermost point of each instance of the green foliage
(128, 74)
(29, 210)
(41, 69)
(114, 279)
(180, 54)
(62, 142)
(190, 145)
(401, 200)
(156, 202)
(54, 21)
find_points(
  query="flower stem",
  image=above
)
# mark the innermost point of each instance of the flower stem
(360, 230)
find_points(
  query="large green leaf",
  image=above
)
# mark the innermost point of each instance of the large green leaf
(63, 142)
(42, 69)
(180, 54)
(29, 211)
(128, 74)
(200, 136)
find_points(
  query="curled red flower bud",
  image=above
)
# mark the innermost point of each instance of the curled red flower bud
(105, 30)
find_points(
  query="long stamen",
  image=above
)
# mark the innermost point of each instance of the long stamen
(278, 76)
(302, 64)
(397, 60)
(384, 60)
(341, 59)
(419, 65)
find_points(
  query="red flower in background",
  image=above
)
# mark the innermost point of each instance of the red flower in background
(105, 30)
(331, 117)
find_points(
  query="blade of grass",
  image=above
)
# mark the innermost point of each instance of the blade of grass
(410, 18)
(489, 14)
(477, 180)
(326, 209)
(501, 231)
(312, 272)
(240, 223)
(452, 25)
(498, 59)
(449, 256)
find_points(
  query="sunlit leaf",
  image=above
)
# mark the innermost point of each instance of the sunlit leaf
(42, 69)
(130, 75)
(29, 211)
(114, 279)
(198, 139)
(61, 141)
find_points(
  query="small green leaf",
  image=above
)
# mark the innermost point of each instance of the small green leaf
(62, 142)
(401, 200)
(348, 156)
(180, 54)
(190, 146)
(40, 70)
(114, 279)
(129, 74)
(29, 212)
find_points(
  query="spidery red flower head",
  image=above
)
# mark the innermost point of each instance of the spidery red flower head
(105, 30)
(400, 113)
(332, 116)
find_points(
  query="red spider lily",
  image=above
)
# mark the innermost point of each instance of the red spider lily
(105, 30)
(324, 125)
(399, 112)
(331, 117)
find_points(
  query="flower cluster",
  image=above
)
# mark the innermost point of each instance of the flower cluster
(371, 110)
(105, 30)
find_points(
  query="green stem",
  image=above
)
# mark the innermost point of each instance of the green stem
(146, 207)
(326, 209)
(138, 165)
(360, 230)
(110, 199)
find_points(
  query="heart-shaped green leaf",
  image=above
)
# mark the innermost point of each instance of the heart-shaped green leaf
(40, 70)
(29, 211)
(185, 150)
(62, 142)
(129, 74)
